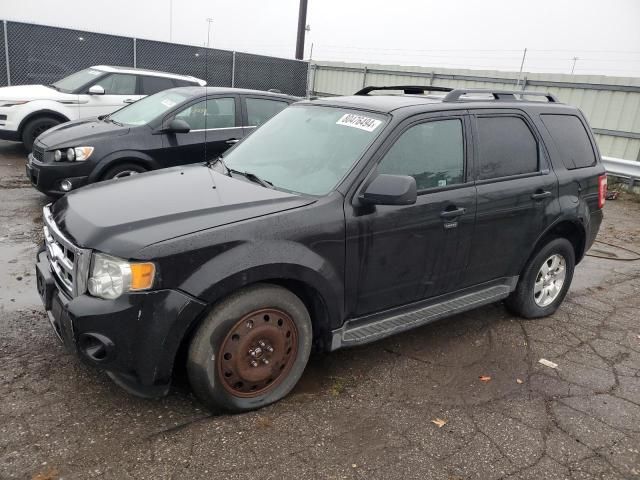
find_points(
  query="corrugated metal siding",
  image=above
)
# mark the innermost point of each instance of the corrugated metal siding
(605, 108)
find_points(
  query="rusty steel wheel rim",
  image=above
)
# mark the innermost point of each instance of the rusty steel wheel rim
(258, 352)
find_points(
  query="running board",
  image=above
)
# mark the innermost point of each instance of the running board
(375, 327)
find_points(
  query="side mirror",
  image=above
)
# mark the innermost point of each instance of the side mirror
(178, 125)
(96, 90)
(390, 190)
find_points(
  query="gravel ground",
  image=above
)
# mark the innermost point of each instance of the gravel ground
(366, 412)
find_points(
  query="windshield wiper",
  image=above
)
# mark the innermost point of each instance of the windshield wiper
(111, 120)
(248, 175)
(219, 159)
(51, 85)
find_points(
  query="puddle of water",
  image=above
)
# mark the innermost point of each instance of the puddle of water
(17, 277)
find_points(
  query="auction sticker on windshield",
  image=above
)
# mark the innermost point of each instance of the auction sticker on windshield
(359, 121)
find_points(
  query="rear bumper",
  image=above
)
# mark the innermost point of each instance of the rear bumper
(134, 338)
(595, 221)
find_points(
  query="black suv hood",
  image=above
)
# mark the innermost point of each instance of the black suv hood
(122, 216)
(81, 132)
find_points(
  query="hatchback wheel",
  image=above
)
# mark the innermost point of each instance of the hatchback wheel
(544, 281)
(251, 349)
(123, 170)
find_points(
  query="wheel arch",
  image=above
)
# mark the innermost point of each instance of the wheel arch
(570, 228)
(40, 113)
(124, 156)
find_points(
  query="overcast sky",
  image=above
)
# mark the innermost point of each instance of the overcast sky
(487, 34)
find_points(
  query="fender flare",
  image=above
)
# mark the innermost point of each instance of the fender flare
(575, 221)
(121, 156)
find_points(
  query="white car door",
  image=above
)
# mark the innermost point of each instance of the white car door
(120, 89)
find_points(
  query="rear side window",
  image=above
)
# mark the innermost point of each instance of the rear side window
(118, 84)
(506, 147)
(571, 139)
(259, 110)
(151, 85)
(183, 83)
(432, 153)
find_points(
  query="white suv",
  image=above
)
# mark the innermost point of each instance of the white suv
(28, 110)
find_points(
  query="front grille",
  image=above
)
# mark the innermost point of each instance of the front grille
(38, 153)
(69, 263)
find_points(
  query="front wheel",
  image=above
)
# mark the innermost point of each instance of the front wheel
(545, 280)
(251, 349)
(34, 128)
(123, 170)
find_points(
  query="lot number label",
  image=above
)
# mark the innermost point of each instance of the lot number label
(359, 121)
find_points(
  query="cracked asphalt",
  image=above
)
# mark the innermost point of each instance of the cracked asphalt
(359, 413)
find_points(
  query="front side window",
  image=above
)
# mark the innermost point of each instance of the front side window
(506, 147)
(431, 152)
(259, 110)
(76, 80)
(118, 84)
(306, 148)
(151, 85)
(571, 138)
(149, 108)
(210, 114)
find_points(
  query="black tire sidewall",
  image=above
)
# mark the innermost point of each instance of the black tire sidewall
(113, 171)
(28, 134)
(522, 301)
(201, 363)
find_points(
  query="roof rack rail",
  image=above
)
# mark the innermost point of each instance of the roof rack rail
(407, 89)
(508, 95)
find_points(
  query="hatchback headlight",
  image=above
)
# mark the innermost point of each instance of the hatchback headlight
(73, 154)
(110, 277)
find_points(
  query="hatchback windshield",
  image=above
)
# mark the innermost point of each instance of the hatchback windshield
(306, 148)
(149, 108)
(76, 80)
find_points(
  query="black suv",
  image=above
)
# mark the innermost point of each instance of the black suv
(339, 222)
(173, 127)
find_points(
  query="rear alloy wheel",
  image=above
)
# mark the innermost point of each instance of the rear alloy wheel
(251, 349)
(545, 280)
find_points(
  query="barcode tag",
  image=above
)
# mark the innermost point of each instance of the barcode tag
(359, 121)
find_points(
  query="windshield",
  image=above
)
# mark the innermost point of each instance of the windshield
(306, 148)
(145, 110)
(76, 80)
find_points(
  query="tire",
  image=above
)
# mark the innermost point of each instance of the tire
(528, 303)
(34, 128)
(122, 170)
(221, 353)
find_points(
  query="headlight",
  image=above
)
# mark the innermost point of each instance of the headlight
(111, 277)
(71, 155)
(57, 155)
(82, 153)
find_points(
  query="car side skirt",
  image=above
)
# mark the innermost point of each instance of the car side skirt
(373, 327)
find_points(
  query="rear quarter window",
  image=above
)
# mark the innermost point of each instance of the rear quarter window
(571, 139)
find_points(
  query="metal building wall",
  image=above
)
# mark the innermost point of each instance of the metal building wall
(612, 104)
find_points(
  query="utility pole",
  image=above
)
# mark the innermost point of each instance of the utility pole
(170, 20)
(573, 67)
(524, 55)
(209, 22)
(302, 24)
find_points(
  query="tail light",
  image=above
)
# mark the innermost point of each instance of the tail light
(602, 190)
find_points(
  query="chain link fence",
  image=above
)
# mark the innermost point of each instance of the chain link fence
(39, 54)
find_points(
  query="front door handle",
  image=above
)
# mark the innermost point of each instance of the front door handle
(540, 195)
(452, 213)
(129, 100)
(232, 141)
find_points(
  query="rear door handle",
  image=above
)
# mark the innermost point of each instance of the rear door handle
(539, 195)
(452, 213)
(232, 141)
